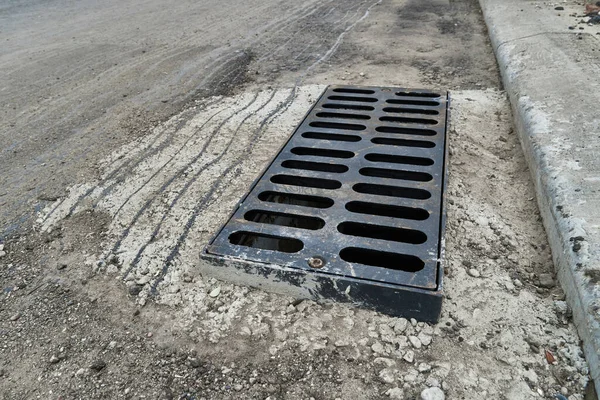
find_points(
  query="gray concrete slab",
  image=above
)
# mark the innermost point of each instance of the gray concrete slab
(551, 75)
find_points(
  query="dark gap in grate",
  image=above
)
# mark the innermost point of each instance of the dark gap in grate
(314, 166)
(266, 242)
(294, 199)
(383, 259)
(314, 151)
(396, 174)
(337, 106)
(395, 159)
(403, 142)
(406, 131)
(306, 181)
(387, 210)
(417, 94)
(391, 191)
(284, 219)
(382, 232)
(414, 102)
(342, 116)
(404, 120)
(337, 125)
(359, 91)
(354, 98)
(401, 110)
(331, 136)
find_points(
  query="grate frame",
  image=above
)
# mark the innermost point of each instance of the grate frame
(358, 148)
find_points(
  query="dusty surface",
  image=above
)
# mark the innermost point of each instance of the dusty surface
(101, 299)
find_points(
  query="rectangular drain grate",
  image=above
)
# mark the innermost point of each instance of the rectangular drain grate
(351, 209)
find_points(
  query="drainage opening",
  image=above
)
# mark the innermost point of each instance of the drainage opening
(284, 219)
(306, 181)
(395, 159)
(314, 166)
(354, 98)
(406, 110)
(387, 210)
(342, 115)
(403, 142)
(336, 125)
(417, 94)
(337, 106)
(414, 102)
(266, 242)
(383, 259)
(391, 191)
(296, 199)
(396, 174)
(359, 91)
(423, 121)
(331, 136)
(382, 232)
(313, 151)
(406, 131)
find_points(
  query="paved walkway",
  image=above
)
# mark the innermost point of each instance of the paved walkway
(551, 73)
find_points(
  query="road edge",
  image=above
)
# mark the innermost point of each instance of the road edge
(532, 118)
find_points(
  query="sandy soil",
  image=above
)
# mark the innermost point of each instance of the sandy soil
(101, 297)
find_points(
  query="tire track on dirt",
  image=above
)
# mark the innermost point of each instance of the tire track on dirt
(199, 206)
(170, 181)
(183, 191)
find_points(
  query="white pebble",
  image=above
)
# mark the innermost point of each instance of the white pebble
(433, 393)
(416, 343)
(474, 273)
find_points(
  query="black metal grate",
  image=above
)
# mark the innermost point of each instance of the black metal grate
(353, 202)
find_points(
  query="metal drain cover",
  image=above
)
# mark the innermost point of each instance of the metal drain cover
(351, 209)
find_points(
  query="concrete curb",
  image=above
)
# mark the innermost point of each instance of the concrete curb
(551, 77)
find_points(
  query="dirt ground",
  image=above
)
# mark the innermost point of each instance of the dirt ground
(101, 297)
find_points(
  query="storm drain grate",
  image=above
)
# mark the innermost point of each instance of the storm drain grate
(351, 209)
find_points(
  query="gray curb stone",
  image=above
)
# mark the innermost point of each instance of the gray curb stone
(551, 75)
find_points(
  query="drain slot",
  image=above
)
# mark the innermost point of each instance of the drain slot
(314, 166)
(392, 191)
(395, 159)
(316, 152)
(414, 102)
(331, 136)
(306, 181)
(342, 115)
(382, 259)
(417, 94)
(403, 142)
(403, 120)
(351, 209)
(396, 174)
(354, 98)
(387, 210)
(266, 242)
(336, 125)
(410, 111)
(382, 232)
(358, 91)
(336, 106)
(406, 131)
(283, 219)
(296, 199)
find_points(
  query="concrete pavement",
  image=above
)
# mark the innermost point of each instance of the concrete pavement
(550, 72)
